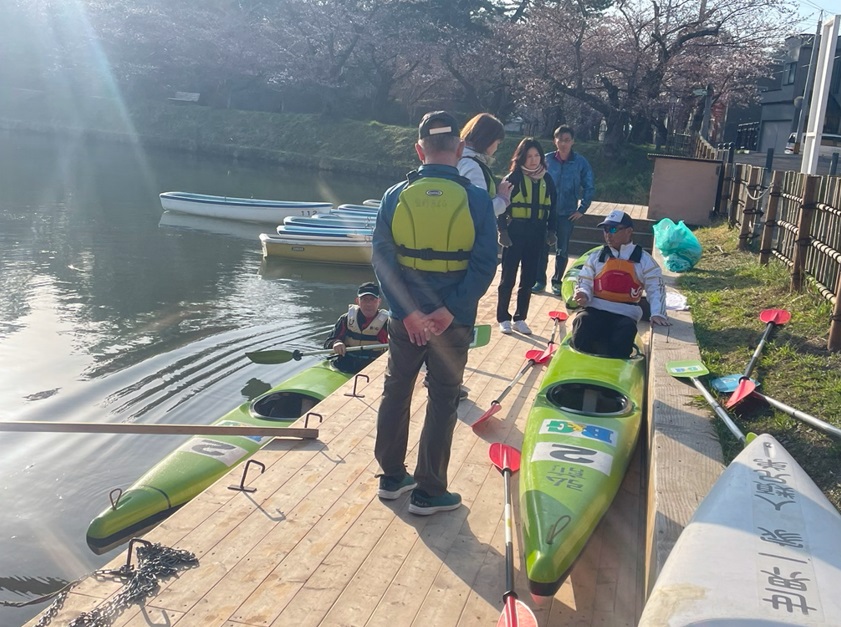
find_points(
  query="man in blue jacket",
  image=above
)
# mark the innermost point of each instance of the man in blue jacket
(434, 254)
(573, 178)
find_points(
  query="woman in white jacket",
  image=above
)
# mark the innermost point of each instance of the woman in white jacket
(482, 135)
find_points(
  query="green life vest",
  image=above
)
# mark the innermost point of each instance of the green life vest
(432, 225)
(521, 200)
(490, 181)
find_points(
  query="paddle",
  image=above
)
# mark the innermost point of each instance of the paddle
(749, 388)
(558, 317)
(534, 356)
(771, 318)
(157, 429)
(692, 369)
(515, 613)
(481, 337)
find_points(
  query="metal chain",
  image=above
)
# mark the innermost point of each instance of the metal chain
(155, 562)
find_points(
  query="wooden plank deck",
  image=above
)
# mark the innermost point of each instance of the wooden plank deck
(315, 546)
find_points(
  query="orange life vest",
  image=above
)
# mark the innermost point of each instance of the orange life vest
(617, 280)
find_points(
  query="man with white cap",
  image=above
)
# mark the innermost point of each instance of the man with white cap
(609, 288)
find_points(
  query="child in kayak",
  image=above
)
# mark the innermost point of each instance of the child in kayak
(363, 324)
(610, 287)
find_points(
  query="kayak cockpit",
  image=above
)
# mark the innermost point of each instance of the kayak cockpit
(282, 405)
(591, 399)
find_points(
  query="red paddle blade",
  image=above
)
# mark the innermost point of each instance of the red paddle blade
(516, 614)
(546, 353)
(504, 457)
(494, 408)
(743, 390)
(560, 316)
(777, 316)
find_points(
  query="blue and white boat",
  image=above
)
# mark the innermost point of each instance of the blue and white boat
(246, 209)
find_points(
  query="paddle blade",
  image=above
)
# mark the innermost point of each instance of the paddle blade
(270, 357)
(743, 390)
(728, 383)
(777, 316)
(504, 457)
(495, 407)
(516, 614)
(687, 368)
(545, 354)
(560, 316)
(481, 335)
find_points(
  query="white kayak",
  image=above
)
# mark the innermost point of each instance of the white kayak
(246, 209)
(762, 550)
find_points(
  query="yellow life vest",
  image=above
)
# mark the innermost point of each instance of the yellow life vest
(617, 280)
(521, 200)
(490, 181)
(432, 225)
(355, 336)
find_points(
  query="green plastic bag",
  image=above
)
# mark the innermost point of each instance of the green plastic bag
(680, 248)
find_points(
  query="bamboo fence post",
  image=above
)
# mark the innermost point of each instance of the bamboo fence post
(751, 209)
(770, 219)
(804, 224)
(735, 193)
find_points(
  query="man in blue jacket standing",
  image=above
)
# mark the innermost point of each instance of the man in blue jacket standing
(573, 178)
(434, 254)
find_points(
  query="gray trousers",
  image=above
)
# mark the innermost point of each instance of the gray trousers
(445, 356)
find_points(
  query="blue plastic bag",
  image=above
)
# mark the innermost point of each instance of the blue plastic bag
(680, 248)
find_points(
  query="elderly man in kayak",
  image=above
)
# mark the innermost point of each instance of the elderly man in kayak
(610, 287)
(362, 325)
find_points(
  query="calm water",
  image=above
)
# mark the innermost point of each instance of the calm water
(111, 313)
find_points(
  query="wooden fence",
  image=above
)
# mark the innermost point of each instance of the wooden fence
(794, 217)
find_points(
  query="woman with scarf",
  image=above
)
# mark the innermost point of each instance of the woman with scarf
(528, 223)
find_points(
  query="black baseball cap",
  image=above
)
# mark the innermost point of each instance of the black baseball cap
(438, 123)
(617, 218)
(368, 288)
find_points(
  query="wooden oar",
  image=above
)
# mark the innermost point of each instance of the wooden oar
(481, 337)
(515, 613)
(157, 429)
(534, 356)
(772, 318)
(749, 388)
(692, 369)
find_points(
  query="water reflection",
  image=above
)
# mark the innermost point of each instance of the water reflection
(111, 312)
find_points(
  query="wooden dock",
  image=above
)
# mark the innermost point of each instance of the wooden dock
(313, 545)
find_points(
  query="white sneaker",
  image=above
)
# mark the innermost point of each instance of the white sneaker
(520, 326)
(505, 327)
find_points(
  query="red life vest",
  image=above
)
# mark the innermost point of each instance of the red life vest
(617, 280)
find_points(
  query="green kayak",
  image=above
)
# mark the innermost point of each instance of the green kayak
(571, 277)
(200, 461)
(579, 437)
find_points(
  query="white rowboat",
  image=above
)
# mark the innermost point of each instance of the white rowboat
(246, 209)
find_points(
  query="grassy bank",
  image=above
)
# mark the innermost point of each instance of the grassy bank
(311, 141)
(727, 291)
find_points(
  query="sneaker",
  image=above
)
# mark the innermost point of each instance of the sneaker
(505, 327)
(556, 289)
(463, 393)
(538, 287)
(520, 326)
(423, 505)
(393, 487)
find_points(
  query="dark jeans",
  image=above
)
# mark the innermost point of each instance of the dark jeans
(528, 240)
(565, 226)
(603, 333)
(445, 356)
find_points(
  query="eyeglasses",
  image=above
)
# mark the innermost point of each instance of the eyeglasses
(613, 229)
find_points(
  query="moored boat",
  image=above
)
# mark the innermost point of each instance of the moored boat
(762, 549)
(200, 461)
(347, 249)
(246, 209)
(579, 438)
